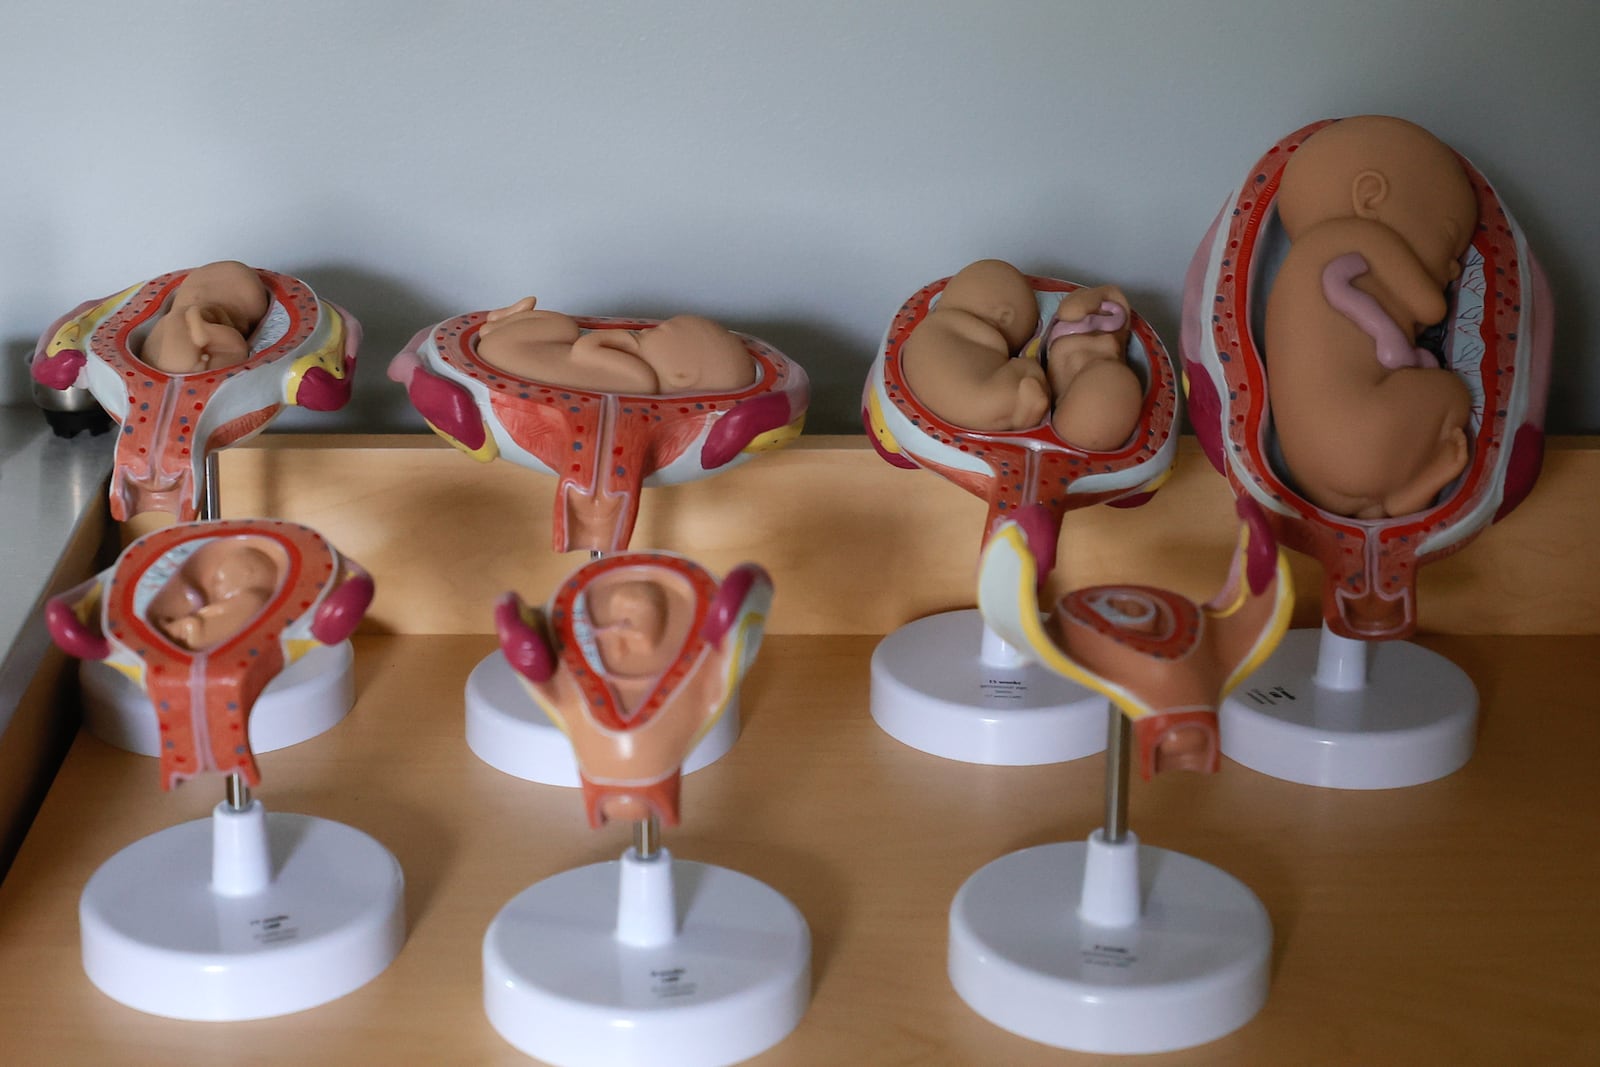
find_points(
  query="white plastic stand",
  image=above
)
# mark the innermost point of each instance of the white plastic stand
(1109, 946)
(947, 685)
(511, 733)
(243, 915)
(311, 696)
(651, 962)
(1328, 711)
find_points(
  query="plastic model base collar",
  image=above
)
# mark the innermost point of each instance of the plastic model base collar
(1312, 714)
(947, 686)
(1189, 966)
(243, 915)
(310, 697)
(511, 733)
(562, 984)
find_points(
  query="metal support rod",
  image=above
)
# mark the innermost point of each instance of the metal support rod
(1119, 735)
(647, 837)
(238, 794)
(211, 497)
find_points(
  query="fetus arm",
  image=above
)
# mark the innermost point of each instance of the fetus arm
(1393, 348)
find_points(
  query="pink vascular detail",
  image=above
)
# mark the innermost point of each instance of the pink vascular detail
(1205, 415)
(730, 600)
(748, 420)
(60, 370)
(1527, 456)
(1042, 530)
(1394, 350)
(341, 612)
(525, 648)
(321, 391)
(1261, 558)
(1109, 319)
(71, 634)
(449, 407)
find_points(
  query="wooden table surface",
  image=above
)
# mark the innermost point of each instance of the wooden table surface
(1452, 923)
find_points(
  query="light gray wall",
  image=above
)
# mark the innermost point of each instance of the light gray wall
(794, 169)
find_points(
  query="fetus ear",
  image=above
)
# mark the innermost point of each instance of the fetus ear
(1367, 192)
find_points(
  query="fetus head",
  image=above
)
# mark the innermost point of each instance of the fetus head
(640, 623)
(997, 293)
(1389, 171)
(691, 354)
(205, 328)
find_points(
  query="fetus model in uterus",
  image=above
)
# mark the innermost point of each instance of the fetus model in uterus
(607, 405)
(635, 658)
(203, 616)
(192, 362)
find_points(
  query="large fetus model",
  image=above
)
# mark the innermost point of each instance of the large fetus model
(208, 323)
(1378, 212)
(962, 360)
(684, 354)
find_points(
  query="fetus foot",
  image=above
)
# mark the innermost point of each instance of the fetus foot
(1447, 463)
(1099, 409)
(1032, 397)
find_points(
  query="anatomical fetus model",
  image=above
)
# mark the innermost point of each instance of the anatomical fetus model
(1166, 661)
(963, 362)
(203, 616)
(1378, 212)
(217, 591)
(634, 658)
(208, 323)
(684, 354)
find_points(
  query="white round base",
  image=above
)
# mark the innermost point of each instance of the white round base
(511, 733)
(158, 938)
(1192, 968)
(1415, 720)
(930, 690)
(309, 697)
(560, 986)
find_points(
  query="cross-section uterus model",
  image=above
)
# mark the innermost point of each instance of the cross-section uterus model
(1026, 392)
(647, 960)
(245, 914)
(1107, 945)
(1366, 341)
(186, 365)
(607, 406)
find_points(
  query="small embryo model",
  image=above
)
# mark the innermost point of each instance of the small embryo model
(1378, 212)
(202, 617)
(1161, 951)
(607, 965)
(975, 360)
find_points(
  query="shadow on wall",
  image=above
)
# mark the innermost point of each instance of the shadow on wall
(390, 314)
(836, 371)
